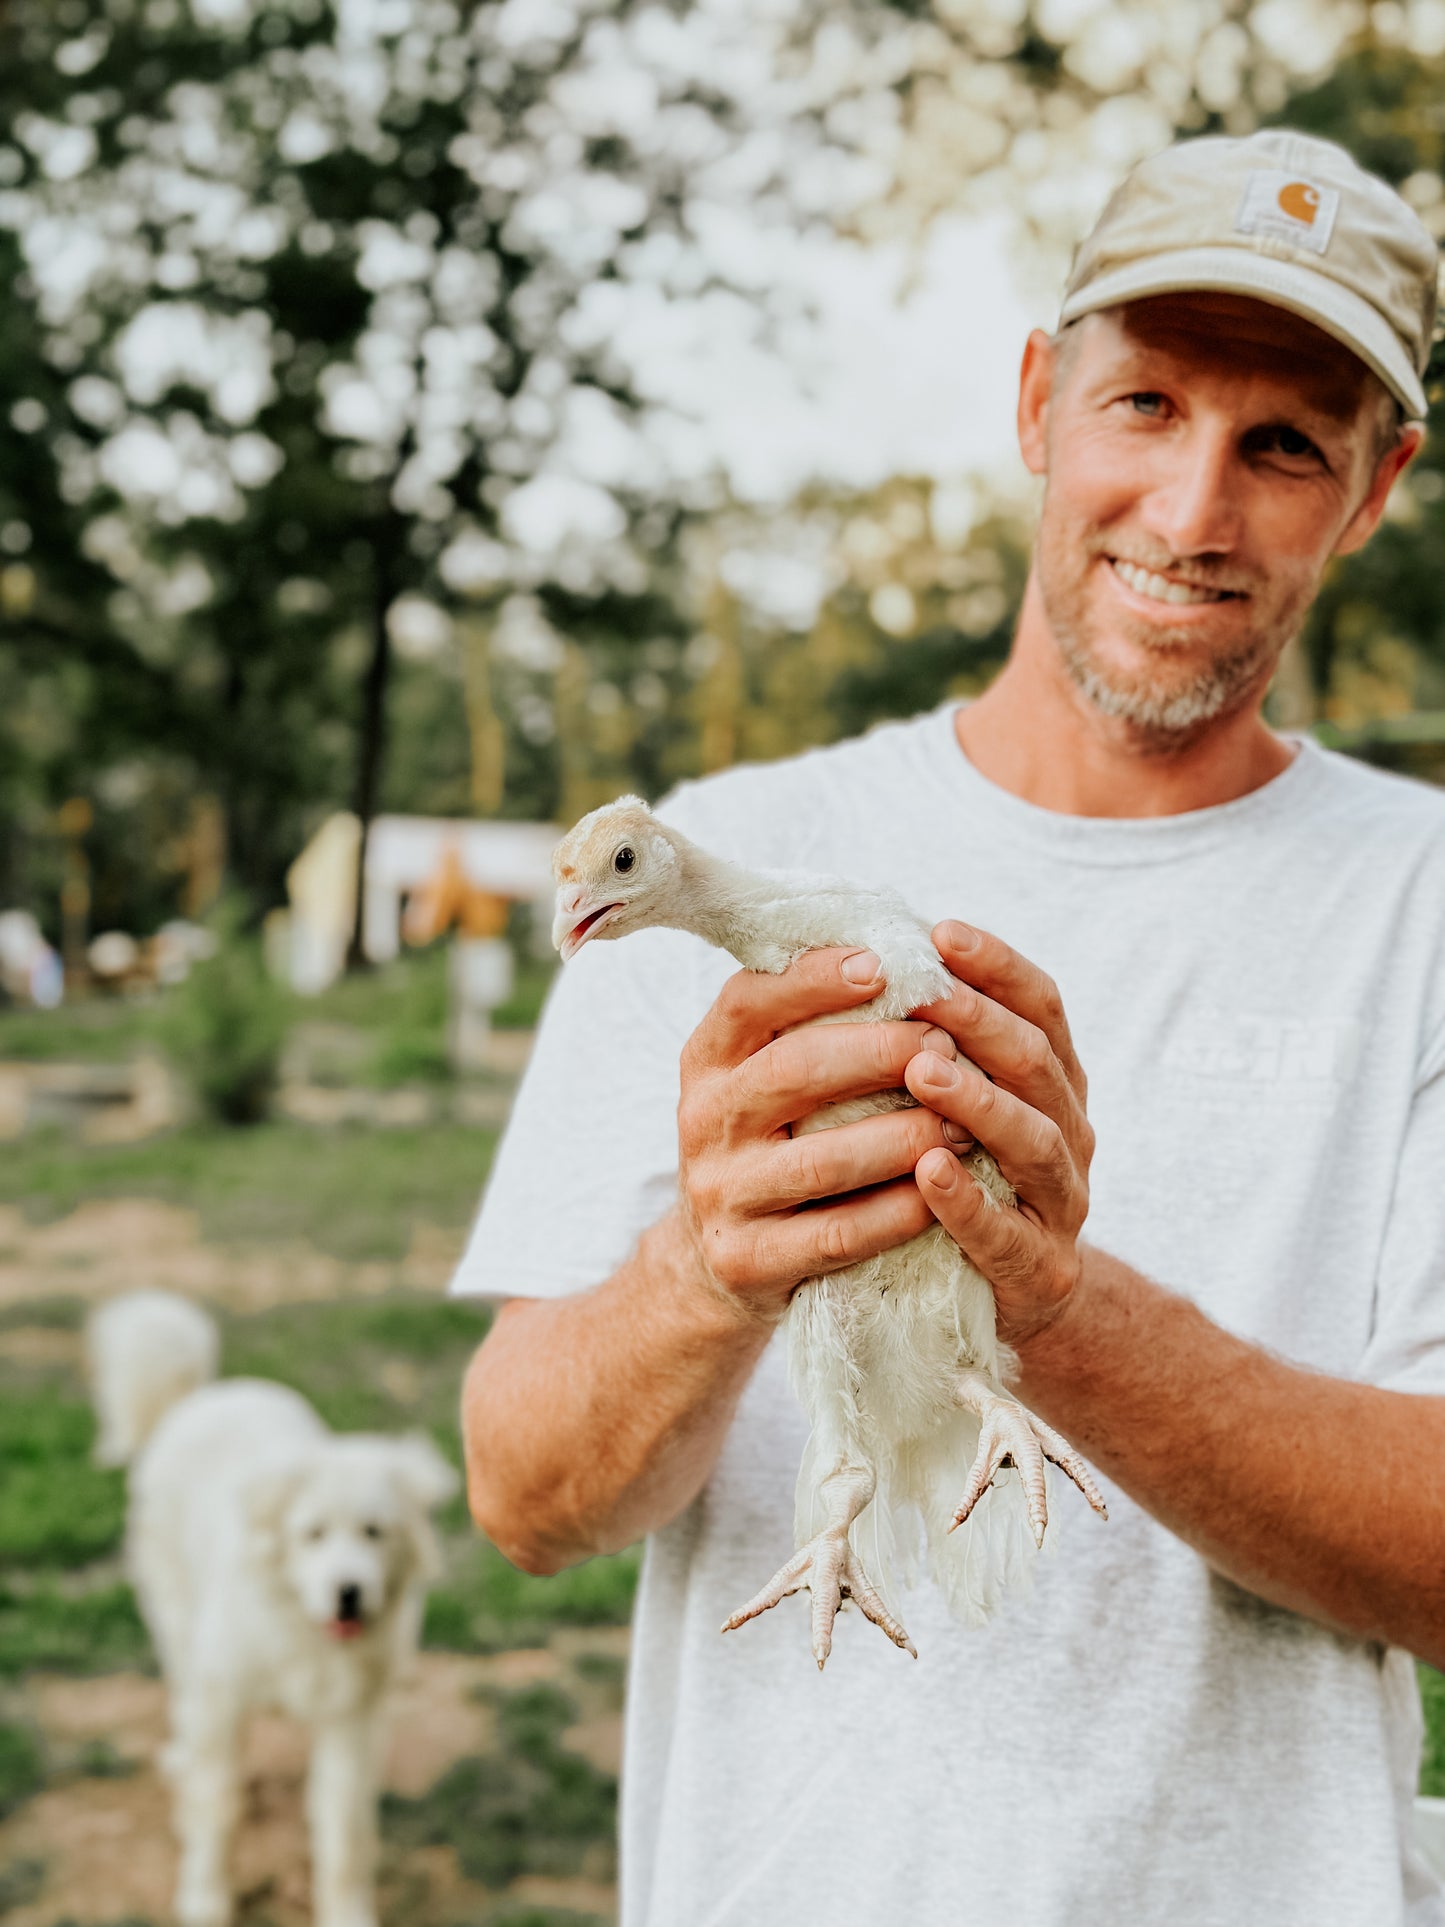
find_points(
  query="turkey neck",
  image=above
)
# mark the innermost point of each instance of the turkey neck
(760, 920)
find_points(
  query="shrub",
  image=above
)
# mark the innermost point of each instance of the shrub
(227, 1025)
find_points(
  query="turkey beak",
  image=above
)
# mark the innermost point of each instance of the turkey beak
(576, 919)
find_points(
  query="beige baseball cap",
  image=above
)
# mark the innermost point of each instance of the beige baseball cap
(1286, 218)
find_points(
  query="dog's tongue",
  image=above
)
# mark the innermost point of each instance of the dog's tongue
(344, 1628)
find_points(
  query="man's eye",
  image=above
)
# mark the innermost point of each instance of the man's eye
(1289, 441)
(1147, 403)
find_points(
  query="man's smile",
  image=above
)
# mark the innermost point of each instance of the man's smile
(1152, 587)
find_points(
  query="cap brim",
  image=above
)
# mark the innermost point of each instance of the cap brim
(1303, 291)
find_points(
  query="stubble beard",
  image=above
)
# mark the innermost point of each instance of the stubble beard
(1163, 712)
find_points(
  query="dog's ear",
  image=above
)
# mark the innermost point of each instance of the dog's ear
(428, 1481)
(424, 1473)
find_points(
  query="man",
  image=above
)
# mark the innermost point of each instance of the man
(1205, 1711)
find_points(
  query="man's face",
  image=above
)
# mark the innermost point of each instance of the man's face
(1205, 456)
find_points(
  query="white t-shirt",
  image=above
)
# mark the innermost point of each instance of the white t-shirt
(1257, 993)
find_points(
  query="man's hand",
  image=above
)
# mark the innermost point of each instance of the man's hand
(764, 1210)
(1006, 1016)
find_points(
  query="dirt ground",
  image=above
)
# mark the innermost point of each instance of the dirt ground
(93, 1847)
(131, 1244)
(96, 1846)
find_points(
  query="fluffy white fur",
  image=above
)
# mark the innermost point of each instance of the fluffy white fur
(896, 1360)
(143, 1352)
(276, 1564)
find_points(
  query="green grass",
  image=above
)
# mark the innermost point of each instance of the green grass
(22, 1766)
(1432, 1698)
(398, 1013)
(535, 1808)
(485, 1605)
(106, 1030)
(97, 1631)
(56, 1508)
(529, 993)
(21, 1882)
(354, 1192)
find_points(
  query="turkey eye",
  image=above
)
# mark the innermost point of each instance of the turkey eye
(624, 860)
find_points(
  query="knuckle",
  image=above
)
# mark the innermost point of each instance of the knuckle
(809, 1176)
(1050, 1002)
(735, 996)
(1035, 1052)
(835, 1245)
(694, 1122)
(730, 1258)
(789, 1065)
(1053, 1146)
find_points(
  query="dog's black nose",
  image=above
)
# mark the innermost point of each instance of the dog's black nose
(348, 1603)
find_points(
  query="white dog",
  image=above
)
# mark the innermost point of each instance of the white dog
(277, 1564)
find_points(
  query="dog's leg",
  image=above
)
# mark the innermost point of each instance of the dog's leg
(203, 1765)
(341, 1799)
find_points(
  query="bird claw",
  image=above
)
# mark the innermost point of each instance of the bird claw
(1009, 1434)
(830, 1569)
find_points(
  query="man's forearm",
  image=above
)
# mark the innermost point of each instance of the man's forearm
(1316, 1493)
(591, 1420)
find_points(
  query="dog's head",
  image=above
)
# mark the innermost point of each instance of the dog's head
(345, 1526)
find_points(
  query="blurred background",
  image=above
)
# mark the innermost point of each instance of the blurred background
(419, 421)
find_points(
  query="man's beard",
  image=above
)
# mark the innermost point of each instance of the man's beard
(1164, 712)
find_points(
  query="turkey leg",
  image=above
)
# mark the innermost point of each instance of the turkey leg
(1009, 1434)
(829, 1567)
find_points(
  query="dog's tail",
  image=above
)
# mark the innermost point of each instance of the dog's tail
(144, 1351)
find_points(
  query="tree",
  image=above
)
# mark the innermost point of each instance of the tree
(327, 290)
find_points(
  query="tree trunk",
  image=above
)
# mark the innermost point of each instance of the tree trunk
(371, 748)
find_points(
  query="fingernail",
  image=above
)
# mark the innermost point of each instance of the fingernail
(862, 967)
(961, 1139)
(958, 936)
(936, 1070)
(935, 1039)
(940, 1170)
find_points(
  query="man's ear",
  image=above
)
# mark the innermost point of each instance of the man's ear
(1036, 381)
(1391, 466)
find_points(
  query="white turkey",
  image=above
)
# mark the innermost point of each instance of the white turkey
(896, 1360)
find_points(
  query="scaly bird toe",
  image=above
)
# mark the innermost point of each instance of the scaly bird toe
(831, 1571)
(1009, 1434)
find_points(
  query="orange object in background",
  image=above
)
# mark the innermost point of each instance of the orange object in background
(448, 900)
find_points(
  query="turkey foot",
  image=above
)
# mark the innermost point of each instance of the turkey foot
(830, 1569)
(1010, 1435)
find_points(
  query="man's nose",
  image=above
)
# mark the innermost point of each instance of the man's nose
(1195, 506)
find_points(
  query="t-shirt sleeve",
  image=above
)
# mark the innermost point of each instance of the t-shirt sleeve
(589, 1157)
(1406, 1351)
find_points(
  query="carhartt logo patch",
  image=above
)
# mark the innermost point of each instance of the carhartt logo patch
(1289, 208)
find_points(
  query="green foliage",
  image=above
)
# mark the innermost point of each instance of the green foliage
(56, 1508)
(538, 1810)
(97, 1631)
(226, 1026)
(22, 1766)
(356, 1193)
